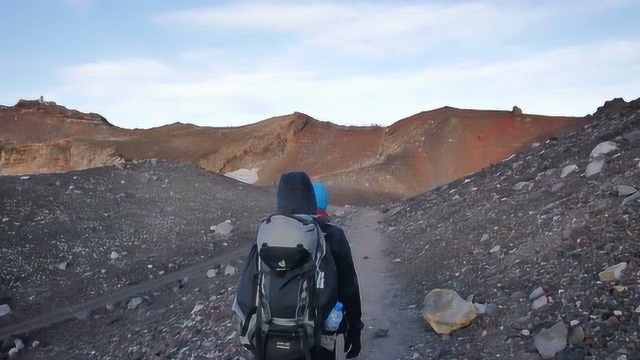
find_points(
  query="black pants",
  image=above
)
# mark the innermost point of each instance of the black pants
(327, 355)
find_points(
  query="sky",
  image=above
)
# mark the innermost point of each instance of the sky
(146, 63)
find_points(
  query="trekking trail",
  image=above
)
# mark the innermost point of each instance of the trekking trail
(381, 292)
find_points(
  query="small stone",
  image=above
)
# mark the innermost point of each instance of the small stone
(485, 333)
(568, 170)
(518, 295)
(595, 167)
(63, 265)
(229, 270)
(25, 178)
(613, 273)
(19, 344)
(574, 322)
(199, 306)
(551, 341)
(525, 332)
(212, 273)
(134, 303)
(620, 288)
(485, 237)
(622, 357)
(446, 311)
(613, 321)
(114, 255)
(380, 333)
(557, 187)
(521, 185)
(603, 148)
(13, 353)
(495, 249)
(576, 336)
(540, 302)
(224, 228)
(629, 201)
(637, 310)
(625, 190)
(617, 313)
(110, 307)
(35, 344)
(5, 310)
(397, 260)
(536, 293)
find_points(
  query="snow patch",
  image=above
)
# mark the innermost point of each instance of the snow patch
(244, 175)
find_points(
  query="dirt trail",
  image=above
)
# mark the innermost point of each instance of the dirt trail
(383, 304)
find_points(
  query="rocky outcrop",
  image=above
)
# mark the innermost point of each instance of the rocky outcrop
(378, 164)
(64, 155)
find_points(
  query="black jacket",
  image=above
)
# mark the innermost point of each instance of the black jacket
(348, 286)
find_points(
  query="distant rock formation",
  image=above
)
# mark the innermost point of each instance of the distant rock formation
(375, 164)
(516, 111)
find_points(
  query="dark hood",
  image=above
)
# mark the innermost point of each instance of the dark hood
(296, 195)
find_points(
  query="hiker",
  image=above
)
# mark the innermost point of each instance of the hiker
(282, 317)
(322, 199)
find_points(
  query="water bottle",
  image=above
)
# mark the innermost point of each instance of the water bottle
(334, 319)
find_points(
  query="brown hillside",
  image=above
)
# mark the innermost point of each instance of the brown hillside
(411, 156)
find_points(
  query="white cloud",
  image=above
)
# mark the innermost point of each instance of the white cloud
(148, 92)
(373, 29)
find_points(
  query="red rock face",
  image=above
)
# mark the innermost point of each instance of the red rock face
(360, 164)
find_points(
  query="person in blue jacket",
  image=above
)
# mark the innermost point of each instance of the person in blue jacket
(322, 199)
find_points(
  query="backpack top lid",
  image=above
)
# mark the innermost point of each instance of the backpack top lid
(287, 242)
(296, 194)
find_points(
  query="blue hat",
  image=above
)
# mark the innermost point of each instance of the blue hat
(322, 196)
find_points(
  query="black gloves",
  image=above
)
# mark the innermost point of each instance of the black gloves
(352, 344)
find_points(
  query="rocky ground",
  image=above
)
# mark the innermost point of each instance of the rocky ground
(190, 319)
(73, 236)
(529, 238)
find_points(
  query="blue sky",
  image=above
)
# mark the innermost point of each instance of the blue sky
(146, 63)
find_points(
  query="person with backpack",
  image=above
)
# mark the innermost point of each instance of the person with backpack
(322, 199)
(299, 272)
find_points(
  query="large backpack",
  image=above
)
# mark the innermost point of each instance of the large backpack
(293, 290)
